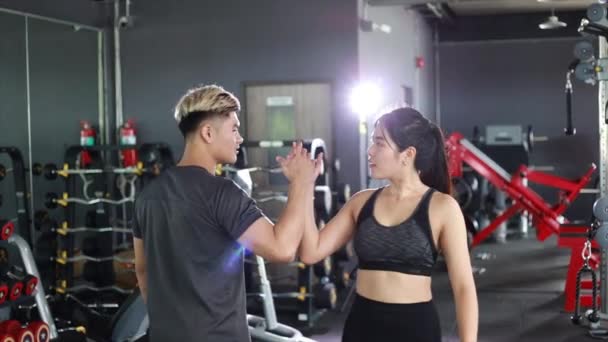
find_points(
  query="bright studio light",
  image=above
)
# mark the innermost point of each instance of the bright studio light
(382, 28)
(365, 99)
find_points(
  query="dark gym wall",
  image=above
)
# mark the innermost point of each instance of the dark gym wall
(179, 44)
(507, 26)
(87, 12)
(518, 77)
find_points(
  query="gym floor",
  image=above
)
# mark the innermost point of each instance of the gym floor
(520, 296)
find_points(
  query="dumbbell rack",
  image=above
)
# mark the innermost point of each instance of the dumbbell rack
(268, 328)
(38, 292)
(306, 295)
(314, 292)
(21, 194)
(155, 156)
(21, 285)
(307, 311)
(66, 244)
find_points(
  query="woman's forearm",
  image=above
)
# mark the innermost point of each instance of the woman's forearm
(310, 238)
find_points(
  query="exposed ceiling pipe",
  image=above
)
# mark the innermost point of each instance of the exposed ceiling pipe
(433, 8)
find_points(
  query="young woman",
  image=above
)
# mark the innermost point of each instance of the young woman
(398, 232)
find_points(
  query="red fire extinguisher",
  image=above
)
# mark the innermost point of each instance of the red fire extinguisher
(87, 138)
(128, 138)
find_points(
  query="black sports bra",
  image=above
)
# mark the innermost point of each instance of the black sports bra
(407, 248)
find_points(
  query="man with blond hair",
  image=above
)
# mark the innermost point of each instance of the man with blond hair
(191, 227)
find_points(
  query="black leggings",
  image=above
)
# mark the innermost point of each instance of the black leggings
(370, 320)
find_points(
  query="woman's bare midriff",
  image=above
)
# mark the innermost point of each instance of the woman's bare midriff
(393, 287)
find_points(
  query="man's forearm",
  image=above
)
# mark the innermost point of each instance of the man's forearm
(289, 228)
(142, 283)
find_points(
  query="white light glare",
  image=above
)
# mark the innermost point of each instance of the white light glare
(382, 28)
(365, 99)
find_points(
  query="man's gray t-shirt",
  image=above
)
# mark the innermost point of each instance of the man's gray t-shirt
(189, 221)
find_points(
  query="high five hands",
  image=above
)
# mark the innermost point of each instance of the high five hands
(298, 166)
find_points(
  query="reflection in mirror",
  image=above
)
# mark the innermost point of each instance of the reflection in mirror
(64, 91)
(13, 105)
